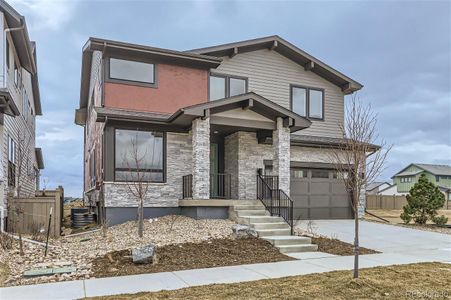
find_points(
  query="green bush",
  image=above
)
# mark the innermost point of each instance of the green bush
(440, 220)
(423, 201)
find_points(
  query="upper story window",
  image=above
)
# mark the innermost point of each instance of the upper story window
(7, 53)
(16, 75)
(11, 162)
(406, 179)
(130, 70)
(223, 86)
(139, 155)
(25, 105)
(308, 102)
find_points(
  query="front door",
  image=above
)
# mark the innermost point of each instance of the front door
(214, 162)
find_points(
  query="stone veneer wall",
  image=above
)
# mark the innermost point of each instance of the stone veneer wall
(282, 157)
(201, 158)
(178, 163)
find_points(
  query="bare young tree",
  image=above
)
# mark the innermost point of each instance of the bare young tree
(358, 160)
(138, 176)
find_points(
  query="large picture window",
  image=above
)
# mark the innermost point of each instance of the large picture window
(130, 70)
(307, 102)
(139, 155)
(223, 86)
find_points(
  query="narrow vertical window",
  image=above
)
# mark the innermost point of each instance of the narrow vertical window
(299, 100)
(217, 87)
(316, 104)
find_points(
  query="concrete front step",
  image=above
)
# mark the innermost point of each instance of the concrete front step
(297, 248)
(288, 240)
(248, 207)
(271, 232)
(273, 225)
(253, 212)
(248, 220)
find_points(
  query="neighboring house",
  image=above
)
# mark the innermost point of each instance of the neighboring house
(375, 187)
(440, 175)
(391, 190)
(19, 106)
(210, 120)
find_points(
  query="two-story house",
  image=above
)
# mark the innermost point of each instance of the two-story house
(405, 179)
(20, 103)
(209, 122)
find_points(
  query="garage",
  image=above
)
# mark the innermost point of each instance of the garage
(319, 193)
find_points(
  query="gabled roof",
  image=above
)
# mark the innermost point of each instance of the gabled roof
(444, 170)
(183, 117)
(374, 185)
(289, 50)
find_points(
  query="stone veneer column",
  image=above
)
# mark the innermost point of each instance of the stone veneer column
(282, 157)
(201, 158)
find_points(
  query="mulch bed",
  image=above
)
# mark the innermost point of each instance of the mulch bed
(207, 254)
(337, 247)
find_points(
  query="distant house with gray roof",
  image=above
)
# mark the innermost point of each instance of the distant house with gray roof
(440, 175)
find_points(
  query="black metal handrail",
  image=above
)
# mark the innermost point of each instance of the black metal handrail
(187, 186)
(220, 186)
(275, 200)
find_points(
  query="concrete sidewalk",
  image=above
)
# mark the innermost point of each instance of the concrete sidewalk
(181, 279)
(399, 246)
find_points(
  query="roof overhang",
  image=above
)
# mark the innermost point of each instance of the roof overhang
(20, 37)
(7, 105)
(182, 119)
(122, 49)
(39, 158)
(285, 48)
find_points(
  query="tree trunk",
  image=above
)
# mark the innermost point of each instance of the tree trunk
(356, 237)
(141, 218)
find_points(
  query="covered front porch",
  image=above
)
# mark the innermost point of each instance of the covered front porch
(231, 139)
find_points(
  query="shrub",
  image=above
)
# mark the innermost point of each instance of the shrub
(423, 201)
(6, 241)
(440, 220)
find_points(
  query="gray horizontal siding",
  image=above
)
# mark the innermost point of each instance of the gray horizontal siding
(270, 75)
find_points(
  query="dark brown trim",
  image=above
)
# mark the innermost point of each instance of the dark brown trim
(108, 78)
(307, 100)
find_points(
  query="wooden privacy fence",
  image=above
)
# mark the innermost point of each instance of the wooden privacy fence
(389, 202)
(31, 215)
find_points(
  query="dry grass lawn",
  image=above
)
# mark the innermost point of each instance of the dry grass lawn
(393, 215)
(4, 272)
(415, 281)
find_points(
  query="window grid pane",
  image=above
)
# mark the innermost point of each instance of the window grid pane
(316, 104)
(217, 87)
(131, 70)
(299, 100)
(139, 155)
(237, 86)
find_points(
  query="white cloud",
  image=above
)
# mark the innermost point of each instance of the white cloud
(45, 14)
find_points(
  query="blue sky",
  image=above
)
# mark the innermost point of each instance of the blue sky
(400, 51)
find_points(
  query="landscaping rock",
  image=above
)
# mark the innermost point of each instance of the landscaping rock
(144, 255)
(241, 231)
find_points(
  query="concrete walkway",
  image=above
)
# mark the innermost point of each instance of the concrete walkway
(400, 246)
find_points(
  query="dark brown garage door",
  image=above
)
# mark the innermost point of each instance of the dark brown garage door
(318, 194)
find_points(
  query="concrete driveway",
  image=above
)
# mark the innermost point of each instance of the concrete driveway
(388, 238)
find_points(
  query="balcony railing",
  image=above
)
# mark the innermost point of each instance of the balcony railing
(220, 186)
